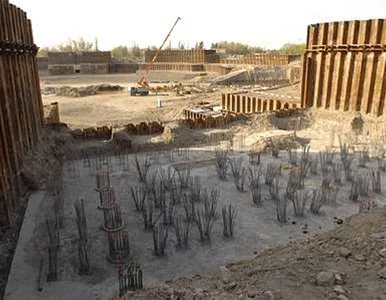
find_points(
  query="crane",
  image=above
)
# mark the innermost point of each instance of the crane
(143, 82)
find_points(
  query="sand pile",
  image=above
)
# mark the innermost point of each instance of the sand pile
(75, 92)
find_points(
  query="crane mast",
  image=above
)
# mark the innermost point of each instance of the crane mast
(143, 81)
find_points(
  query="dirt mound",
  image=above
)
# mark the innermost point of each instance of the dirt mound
(279, 142)
(346, 263)
(75, 92)
(180, 135)
(45, 157)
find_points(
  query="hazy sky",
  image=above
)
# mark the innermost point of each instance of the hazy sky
(268, 23)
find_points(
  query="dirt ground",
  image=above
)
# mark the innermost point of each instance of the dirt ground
(257, 228)
(119, 108)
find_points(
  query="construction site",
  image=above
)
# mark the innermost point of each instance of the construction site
(191, 175)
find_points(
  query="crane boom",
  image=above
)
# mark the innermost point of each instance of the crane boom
(144, 82)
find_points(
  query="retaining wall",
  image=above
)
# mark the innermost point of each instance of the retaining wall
(76, 58)
(61, 69)
(244, 104)
(172, 67)
(263, 59)
(344, 67)
(123, 68)
(194, 56)
(21, 109)
(94, 68)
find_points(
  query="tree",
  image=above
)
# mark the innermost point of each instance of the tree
(292, 48)
(200, 45)
(96, 44)
(120, 52)
(124, 52)
(80, 45)
(236, 48)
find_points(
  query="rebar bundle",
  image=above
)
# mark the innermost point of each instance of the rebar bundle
(317, 201)
(107, 198)
(354, 191)
(330, 195)
(292, 156)
(281, 209)
(102, 180)
(255, 158)
(363, 184)
(182, 232)
(229, 217)
(53, 231)
(112, 218)
(81, 221)
(160, 237)
(347, 167)
(52, 263)
(142, 168)
(363, 157)
(326, 157)
(189, 208)
(274, 189)
(119, 249)
(184, 177)
(222, 163)
(376, 181)
(204, 223)
(314, 165)
(299, 201)
(272, 171)
(130, 278)
(147, 214)
(240, 180)
(83, 258)
(210, 202)
(255, 185)
(344, 151)
(138, 195)
(59, 208)
(167, 177)
(196, 190)
(337, 173)
(168, 213)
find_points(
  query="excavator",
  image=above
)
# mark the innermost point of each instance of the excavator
(143, 87)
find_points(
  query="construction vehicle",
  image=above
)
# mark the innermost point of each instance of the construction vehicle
(143, 83)
(138, 91)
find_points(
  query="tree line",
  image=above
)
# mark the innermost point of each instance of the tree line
(137, 53)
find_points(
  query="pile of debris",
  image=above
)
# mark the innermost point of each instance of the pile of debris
(76, 92)
(144, 128)
(91, 133)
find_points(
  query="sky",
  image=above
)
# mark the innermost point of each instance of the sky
(268, 24)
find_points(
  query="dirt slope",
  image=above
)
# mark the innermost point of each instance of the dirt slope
(352, 258)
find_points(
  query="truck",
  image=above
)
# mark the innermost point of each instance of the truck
(138, 91)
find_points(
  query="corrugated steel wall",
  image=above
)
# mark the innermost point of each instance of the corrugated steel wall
(344, 67)
(76, 58)
(194, 56)
(21, 109)
(260, 59)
